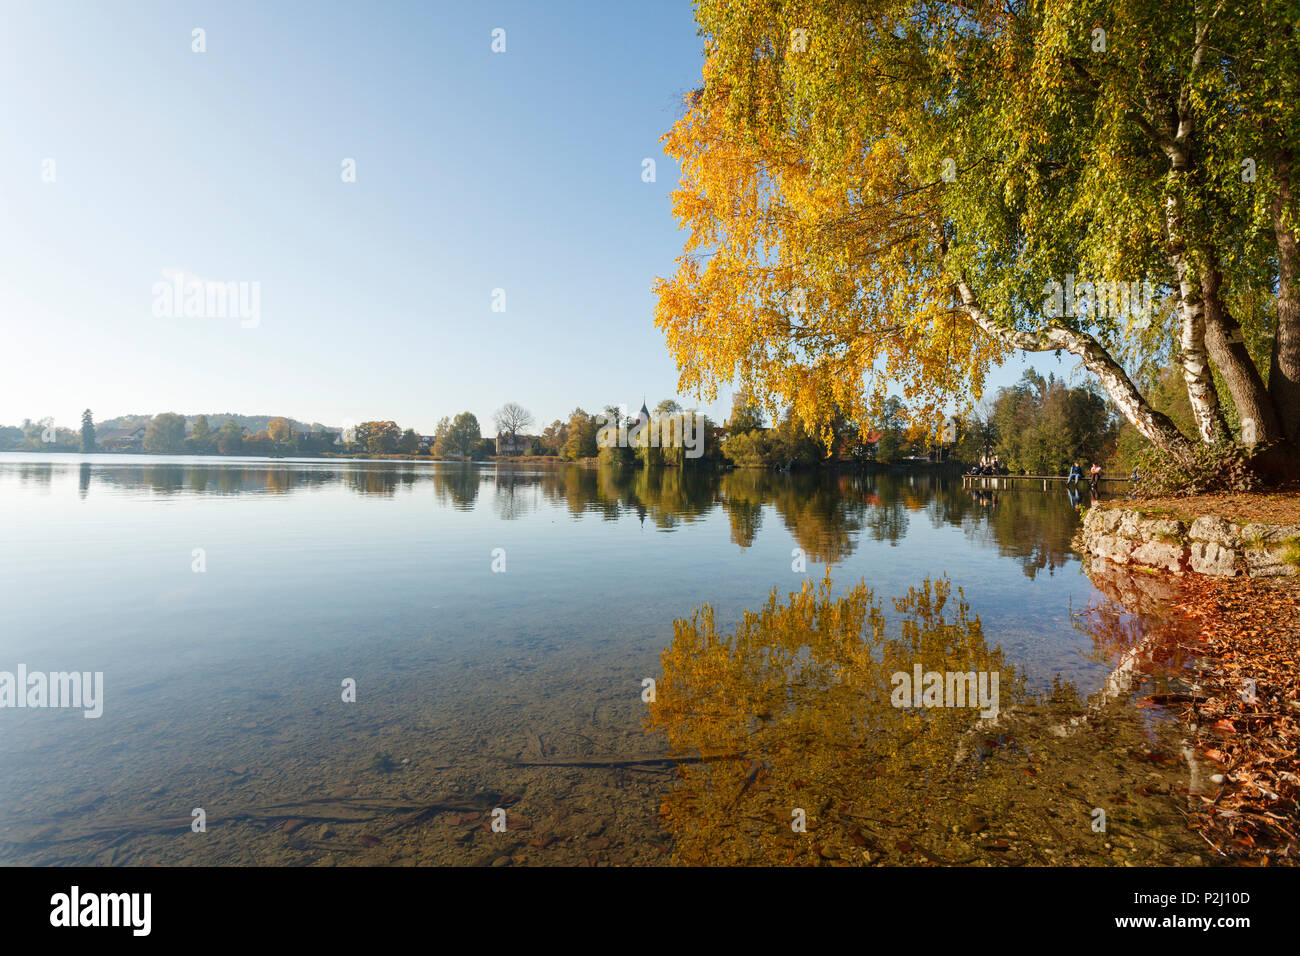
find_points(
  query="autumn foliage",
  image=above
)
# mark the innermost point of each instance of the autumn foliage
(878, 194)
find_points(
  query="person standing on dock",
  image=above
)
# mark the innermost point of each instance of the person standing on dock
(1076, 473)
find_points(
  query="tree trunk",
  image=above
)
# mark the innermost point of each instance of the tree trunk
(1284, 367)
(1154, 425)
(1174, 142)
(1194, 358)
(1227, 348)
(1192, 355)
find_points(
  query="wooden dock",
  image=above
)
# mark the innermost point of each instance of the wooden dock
(1028, 481)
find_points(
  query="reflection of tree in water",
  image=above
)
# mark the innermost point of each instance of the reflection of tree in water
(742, 498)
(793, 710)
(199, 477)
(674, 495)
(824, 511)
(797, 702)
(574, 487)
(280, 480)
(231, 481)
(164, 479)
(667, 496)
(41, 474)
(456, 485)
(377, 481)
(824, 522)
(214, 478)
(614, 490)
(955, 506)
(885, 518)
(515, 492)
(1032, 527)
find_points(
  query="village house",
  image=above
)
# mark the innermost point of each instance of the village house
(518, 445)
(122, 439)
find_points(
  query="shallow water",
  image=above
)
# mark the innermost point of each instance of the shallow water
(226, 602)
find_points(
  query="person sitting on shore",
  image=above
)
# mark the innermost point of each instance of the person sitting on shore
(1094, 476)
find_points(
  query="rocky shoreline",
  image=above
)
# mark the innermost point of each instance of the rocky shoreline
(1207, 544)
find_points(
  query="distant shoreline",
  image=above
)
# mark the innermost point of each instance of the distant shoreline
(429, 459)
(88, 456)
(532, 460)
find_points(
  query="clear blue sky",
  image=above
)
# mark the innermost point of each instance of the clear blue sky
(475, 171)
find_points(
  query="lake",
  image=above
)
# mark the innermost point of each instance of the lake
(316, 662)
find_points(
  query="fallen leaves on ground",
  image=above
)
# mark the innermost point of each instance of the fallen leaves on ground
(1279, 508)
(1247, 713)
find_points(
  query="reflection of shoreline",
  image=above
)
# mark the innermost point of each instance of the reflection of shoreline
(1137, 610)
(1131, 632)
(828, 514)
(1235, 641)
(1133, 625)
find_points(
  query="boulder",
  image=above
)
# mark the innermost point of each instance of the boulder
(1164, 529)
(1269, 563)
(1256, 535)
(1102, 520)
(1129, 524)
(1112, 548)
(1211, 545)
(1160, 554)
(1207, 557)
(1211, 528)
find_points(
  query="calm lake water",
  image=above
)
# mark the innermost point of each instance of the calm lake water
(499, 623)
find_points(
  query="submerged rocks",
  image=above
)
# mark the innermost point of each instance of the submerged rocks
(1211, 545)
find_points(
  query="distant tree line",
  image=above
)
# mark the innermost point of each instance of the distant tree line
(458, 437)
(1039, 424)
(1042, 426)
(788, 443)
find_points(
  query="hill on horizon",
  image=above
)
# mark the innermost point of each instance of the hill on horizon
(252, 423)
